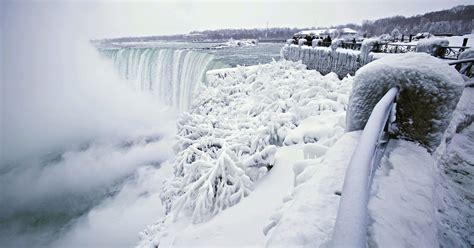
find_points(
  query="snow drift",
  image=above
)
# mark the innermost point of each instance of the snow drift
(429, 92)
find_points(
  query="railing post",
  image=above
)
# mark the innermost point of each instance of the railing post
(464, 42)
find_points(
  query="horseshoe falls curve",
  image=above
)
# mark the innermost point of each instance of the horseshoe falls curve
(171, 75)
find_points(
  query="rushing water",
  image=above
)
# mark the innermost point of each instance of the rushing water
(171, 75)
(171, 71)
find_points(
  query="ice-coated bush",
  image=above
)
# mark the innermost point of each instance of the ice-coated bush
(429, 92)
(431, 45)
(227, 141)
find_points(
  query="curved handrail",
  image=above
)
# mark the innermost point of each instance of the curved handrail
(460, 61)
(350, 229)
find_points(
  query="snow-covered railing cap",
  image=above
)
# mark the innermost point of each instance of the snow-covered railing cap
(352, 217)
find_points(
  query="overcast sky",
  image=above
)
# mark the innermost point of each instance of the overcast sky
(138, 18)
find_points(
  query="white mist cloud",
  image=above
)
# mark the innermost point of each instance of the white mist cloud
(59, 97)
(56, 90)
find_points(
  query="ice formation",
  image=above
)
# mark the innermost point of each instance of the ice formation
(228, 139)
(325, 60)
(429, 92)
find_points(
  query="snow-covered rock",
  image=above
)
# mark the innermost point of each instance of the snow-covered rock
(431, 45)
(429, 92)
(455, 190)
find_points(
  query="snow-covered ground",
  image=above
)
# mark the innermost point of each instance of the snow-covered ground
(262, 156)
(401, 206)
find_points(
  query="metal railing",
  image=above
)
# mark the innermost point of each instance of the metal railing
(451, 52)
(464, 66)
(352, 217)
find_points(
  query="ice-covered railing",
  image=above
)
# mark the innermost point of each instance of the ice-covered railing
(464, 66)
(352, 217)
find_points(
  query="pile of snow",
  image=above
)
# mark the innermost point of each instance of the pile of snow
(401, 205)
(429, 92)
(431, 46)
(456, 176)
(307, 217)
(228, 140)
(325, 60)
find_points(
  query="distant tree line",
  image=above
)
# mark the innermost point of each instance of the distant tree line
(455, 21)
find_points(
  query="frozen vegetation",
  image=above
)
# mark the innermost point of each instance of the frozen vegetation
(266, 144)
(229, 139)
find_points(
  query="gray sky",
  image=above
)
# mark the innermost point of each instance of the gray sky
(138, 18)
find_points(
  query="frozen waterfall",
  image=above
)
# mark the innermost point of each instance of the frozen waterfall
(169, 74)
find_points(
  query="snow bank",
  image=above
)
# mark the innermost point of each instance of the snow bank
(455, 161)
(325, 60)
(401, 206)
(429, 92)
(431, 45)
(307, 217)
(226, 142)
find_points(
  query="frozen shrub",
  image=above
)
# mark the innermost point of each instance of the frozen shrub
(221, 185)
(429, 92)
(228, 139)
